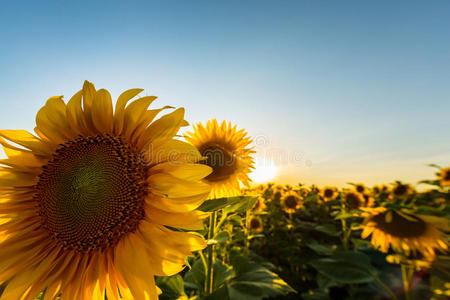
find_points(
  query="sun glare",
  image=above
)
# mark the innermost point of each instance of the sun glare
(264, 171)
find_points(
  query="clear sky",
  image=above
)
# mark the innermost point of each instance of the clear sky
(333, 91)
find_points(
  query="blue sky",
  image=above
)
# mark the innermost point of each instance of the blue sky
(336, 91)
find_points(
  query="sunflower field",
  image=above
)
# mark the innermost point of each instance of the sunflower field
(299, 242)
(113, 203)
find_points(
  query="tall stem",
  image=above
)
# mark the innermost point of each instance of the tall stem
(406, 281)
(210, 272)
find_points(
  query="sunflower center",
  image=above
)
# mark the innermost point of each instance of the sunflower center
(291, 202)
(328, 193)
(254, 223)
(447, 175)
(222, 162)
(360, 188)
(400, 190)
(91, 193)
(401, 225)
(352, 200)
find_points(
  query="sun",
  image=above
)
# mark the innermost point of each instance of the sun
(265, 170)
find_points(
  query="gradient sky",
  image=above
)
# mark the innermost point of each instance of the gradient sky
(333, 91)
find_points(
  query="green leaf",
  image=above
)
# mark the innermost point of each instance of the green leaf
(171, 286)
(345, 267)
(320, 248)
(213, 204)
(222, 237)
(253, 281)
(240, 204)
(344, 215)
(230, 205)
(196, 276)
(328, 229)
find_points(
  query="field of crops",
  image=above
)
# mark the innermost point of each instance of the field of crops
(305, 242)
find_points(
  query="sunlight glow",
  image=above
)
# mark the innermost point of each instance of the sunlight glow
(265, 170)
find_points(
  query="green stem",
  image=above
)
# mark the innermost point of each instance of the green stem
(203, 259)
(210, 274)
(344, 230)
(384, 286)
(406, 281)
(247, 241)
(223, 218)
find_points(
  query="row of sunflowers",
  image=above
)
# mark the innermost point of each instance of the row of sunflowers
(110, 203)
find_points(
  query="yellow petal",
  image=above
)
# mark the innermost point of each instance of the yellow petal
(164, 128)
(172, 187)
(172, 150)
(192, 220)
(181, 170)
(120, 108)
(25, 139)
(136, 269)
(182, 204)
(51, 120)
(88, 99)
(75, 114)
(134, 112)
(102, 111)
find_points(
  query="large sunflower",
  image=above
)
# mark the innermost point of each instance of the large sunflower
(227, 151)
(84, 205)
(404, 231)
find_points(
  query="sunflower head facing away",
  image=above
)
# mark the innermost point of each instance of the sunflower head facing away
(404, 231)
(445, 176)
(227, 152)
(329, 193)
(255, 224)
(291, 202)
(85, 202)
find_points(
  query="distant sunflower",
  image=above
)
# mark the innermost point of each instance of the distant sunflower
(255, 224)
(84, 205)
(260, 205)
(329, 193)
(227, 152)
(277, 192)
(354, 199)
(291, 202)
(360, 188)
(445, 176)
(401, 190)
(404, 231)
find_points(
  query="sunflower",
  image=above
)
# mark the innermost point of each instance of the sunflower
(227, 153)
(401, 190)
(260, 205)
(329, 193)
(445, 176)
(404, 231)
(84, 205)
(354, 200)
(291, 202)
(360, 188)
(277, 193)
(255, 224)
